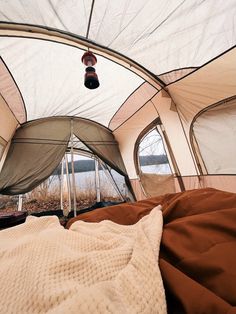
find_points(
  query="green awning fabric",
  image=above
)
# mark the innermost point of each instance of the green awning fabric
(38, 147)
(100, 141)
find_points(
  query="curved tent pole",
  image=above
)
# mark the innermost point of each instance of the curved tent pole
(97, 180)
(62, 183)
(60, 36)
(90, 18)
(68, 184)
(72, 166)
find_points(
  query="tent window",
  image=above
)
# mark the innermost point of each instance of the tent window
(213, 132)
(152, 157)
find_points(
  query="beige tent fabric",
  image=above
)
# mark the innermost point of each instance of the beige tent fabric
(136, 100)
(220, 182)
(138, 189)
(8, 122)
(8, 125)
(128, 133)
(192, 182)
(176, 136)
(175, 75)
(92, 268)
(207, 86)
(214, 132)
(11, 93)
(157, 184)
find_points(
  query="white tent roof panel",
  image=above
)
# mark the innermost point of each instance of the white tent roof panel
(51, 79)
(161, 35)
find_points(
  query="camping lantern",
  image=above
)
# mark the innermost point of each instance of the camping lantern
(90, 77)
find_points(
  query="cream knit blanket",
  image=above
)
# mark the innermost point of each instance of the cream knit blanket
(92, 268)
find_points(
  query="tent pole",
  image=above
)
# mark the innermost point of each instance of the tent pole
(62, 182)
(97, 180)
(68, 183)
(20, 203)
(110, 178)
(72, 167)
(4, 156)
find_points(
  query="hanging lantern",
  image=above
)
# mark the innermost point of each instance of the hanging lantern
(89, 59)
(90, 77)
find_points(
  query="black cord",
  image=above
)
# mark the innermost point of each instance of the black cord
(90, 18)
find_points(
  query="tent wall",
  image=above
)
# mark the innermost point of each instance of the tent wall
(207, 86)
(221, 182)
(214, 131)
(134, 102)
(8, 125)
(8, 122)
(11, 94)
(179, 145)
(128, 133)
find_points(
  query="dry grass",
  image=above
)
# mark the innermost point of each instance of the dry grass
(47, 196)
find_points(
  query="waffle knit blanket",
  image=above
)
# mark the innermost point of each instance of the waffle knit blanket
(91, 268)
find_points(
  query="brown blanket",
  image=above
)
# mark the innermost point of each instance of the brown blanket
(198, 249)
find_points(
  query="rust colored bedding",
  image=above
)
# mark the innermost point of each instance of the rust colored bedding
(198, 249)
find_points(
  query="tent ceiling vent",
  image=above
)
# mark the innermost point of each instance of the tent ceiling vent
(90, 78)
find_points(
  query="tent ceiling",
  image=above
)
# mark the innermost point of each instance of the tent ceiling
(168, 38)
(161, 35)
(51, 79)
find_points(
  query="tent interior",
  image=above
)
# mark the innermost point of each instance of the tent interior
(162, 120)
(176, 72)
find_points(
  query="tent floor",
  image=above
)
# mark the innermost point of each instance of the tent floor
(10, 219)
